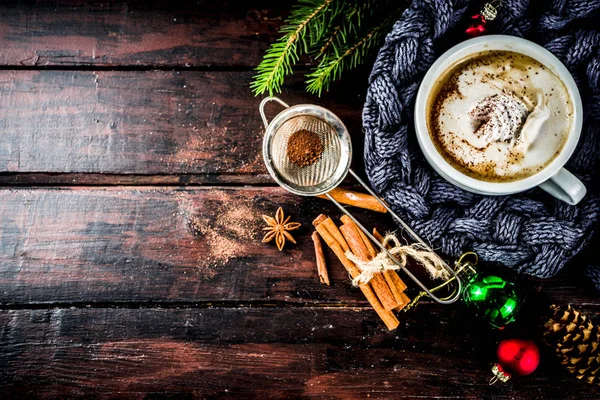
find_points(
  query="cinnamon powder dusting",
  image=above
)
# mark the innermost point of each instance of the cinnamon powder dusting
(227, 228)
(304, 148)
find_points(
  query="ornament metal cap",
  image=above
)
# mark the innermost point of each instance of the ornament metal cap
(490, 10)
(499, 375)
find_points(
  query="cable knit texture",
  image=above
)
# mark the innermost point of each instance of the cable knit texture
(530, 232)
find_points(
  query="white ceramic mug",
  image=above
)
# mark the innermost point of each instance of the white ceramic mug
(554, 179)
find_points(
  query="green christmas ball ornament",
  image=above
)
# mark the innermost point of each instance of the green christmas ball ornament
(492, 298)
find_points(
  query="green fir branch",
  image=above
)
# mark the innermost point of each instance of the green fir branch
(309, 16)
(352, 13)
(348, 57)
(361, 9)
(337, 33)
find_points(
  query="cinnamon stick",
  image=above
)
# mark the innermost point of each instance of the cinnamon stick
(399, 283)
(357, 247)
(335, 232)
(396, 284)
(320, 218)
(332, 229)
(405, 302)
(388, 318)
(355, 199)
(380, 286)
(377, 235)
(321, 266)
(337, 249)
(370, 248)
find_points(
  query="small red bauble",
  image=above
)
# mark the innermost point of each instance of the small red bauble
(489, 12)
(478, 26)
(515, 356)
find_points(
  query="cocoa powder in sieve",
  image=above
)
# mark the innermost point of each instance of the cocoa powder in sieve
(304, 148)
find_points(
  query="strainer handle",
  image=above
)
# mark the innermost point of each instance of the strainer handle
(261, 108)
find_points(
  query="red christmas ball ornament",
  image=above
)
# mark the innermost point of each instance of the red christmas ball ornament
(515, 356)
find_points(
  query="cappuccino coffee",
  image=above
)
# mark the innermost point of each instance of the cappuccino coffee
(499, 116)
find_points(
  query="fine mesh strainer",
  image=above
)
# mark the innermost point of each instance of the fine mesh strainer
(329, 171)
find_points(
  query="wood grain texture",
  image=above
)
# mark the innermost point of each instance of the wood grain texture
(170, 245)
(138, 291)
(258, 353)
(156, 244)
(138, 33)
(201, 124)
(97, 179)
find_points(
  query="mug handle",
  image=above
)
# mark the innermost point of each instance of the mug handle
(565, 186)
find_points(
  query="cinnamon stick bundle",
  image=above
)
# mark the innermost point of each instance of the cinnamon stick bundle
(390, 320)
(386, 283)
(395, 284)
(358, 248)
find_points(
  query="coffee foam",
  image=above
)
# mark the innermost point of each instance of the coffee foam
(500, 116)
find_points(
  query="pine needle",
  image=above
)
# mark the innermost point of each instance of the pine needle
(309, 18)
(349, 56)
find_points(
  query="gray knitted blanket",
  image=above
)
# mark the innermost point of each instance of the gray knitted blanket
(530, 232)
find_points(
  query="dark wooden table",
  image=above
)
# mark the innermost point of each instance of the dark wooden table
(130, 255)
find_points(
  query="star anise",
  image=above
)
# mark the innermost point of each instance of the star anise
(279, 229)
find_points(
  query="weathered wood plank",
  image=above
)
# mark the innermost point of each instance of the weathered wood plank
(138, 33)
(259, 353)
(141, 123)
(168, 245)
(96, 179)
(143, 244)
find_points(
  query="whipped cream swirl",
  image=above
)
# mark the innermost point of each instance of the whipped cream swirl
(501, 117)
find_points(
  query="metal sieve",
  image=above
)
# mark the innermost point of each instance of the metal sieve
(327, 172)
(320, 177)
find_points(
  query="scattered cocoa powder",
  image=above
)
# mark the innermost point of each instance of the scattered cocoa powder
(227, 228)
(304, 148)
